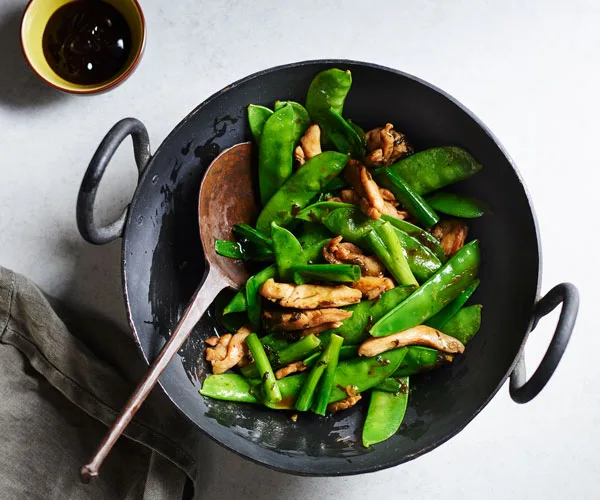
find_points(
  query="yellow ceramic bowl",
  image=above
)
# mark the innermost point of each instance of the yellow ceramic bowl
(36, 16)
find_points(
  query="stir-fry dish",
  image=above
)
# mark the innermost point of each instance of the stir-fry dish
(358, 283)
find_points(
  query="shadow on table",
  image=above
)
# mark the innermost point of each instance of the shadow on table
(20, 87)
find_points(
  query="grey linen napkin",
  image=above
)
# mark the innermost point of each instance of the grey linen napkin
(63, 379)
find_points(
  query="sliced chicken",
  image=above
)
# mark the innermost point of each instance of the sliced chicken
(452, 234)
(310, 145)
(228, 351)
(299, 320)
(295, 367)
(336, 252)
(386, 146)
(419, 335)
(372, 287)
(309, 296)
(343, 404)
(315, 330)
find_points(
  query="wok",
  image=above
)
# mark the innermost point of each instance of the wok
(162, 265)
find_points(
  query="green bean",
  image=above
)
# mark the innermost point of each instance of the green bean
(300, 189)
(333, 353)
(289, 388)
(257, 116)
(395, 260)
(265, 371)
(305, 397)
(326, 272)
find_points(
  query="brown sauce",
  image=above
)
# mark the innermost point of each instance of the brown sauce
(87, 41)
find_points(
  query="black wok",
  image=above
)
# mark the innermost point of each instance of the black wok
(162, 265)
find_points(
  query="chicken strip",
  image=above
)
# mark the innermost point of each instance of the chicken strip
(386, 146)
(309, 296)
(299, 320)
(452, 234)
(343, 404)
(419, 335)
(229, 350)
(315, 330)
(336, 252)
(310, 145)
(295, 367)
(372, 287)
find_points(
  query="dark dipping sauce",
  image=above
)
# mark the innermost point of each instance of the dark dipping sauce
(87, 42)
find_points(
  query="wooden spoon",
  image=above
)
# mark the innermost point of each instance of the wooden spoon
(226, 198)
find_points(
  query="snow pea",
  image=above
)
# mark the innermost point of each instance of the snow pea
(384, 242)
(418, 359)
(365, 313)
(342, 273)
(328, 89)
(456, 205)
(269, 382)
(252, 235)
(231, 322)
(288, 252)
(257, 116)
(314, 251)
(408, 197)
(441, 318)
(361, 133)
(311, 233)
(229, 387)
(317, 211)
(423, 237)
(237, 303)
(385, 414)
(253, 300)
(275, 153)
(289, 388)
(343, 136)
(364, 373)
(353, 226)
(443, 287)
(332, 354)
(301, 117)
(465, 323)
(435, 168)
(243, 250)
(300, 189)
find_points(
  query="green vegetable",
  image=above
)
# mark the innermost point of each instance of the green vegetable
(465, 323)
(328, 89)
(288, 252)
(305, 397)
(332, 352)
(238, 303)
(365, 313)
(300, 189)
(301, 117)
(257, 116)
(333, 186)
(360, 132)
(253, 300)
(326, 272)
(292, 352)
(289, 388)
(423, 237)
(317, 211)
(314, 252)
(231, 322)
(384, 241)
(435, 168)
(229, 387)
(312, 233)
(418, 359)
(385, 415)
(237, 250)
(408, 197)
(364, 373)
(251, 234)
(458, 273)
(456, 205)
(353, 226)
(440, 319)
(275, 153)
(272, 392)
(342, 134)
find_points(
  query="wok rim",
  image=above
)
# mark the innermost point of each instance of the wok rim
(456, 430)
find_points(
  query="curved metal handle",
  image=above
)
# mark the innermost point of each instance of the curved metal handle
(88, 229)
(522, 390)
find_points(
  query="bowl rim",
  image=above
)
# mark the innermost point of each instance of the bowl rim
(107, 85)
(486, 130)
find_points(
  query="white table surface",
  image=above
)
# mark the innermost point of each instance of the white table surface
(528, 69)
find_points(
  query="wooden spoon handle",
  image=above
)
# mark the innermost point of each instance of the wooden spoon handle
(211, 285)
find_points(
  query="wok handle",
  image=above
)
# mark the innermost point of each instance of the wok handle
(98, 235)
(211, 285)
(522, 390)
